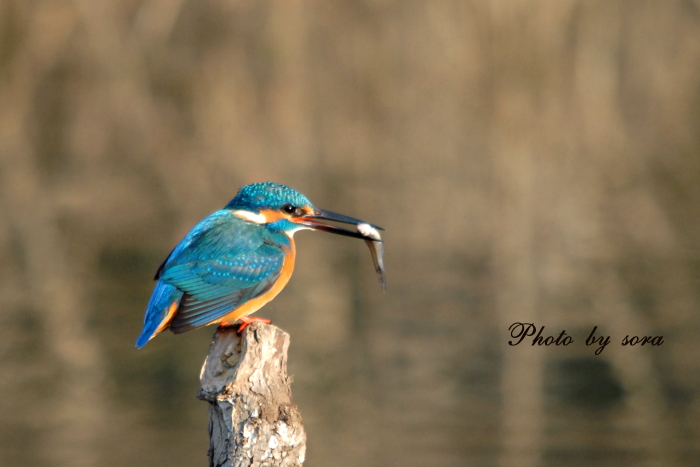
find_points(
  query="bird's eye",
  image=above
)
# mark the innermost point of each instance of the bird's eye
(288, 208)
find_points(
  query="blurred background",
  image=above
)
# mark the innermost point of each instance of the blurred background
(532, 161)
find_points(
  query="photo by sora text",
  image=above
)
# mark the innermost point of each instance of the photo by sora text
(520, 331)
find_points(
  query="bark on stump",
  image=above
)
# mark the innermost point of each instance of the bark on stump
(252, 421)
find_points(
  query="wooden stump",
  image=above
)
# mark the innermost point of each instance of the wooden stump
(252, 421)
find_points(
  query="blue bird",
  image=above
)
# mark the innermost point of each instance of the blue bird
(235, 260)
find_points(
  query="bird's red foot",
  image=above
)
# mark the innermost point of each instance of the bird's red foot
(245, 321)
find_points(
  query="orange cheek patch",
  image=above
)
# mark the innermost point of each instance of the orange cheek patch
(272, 216)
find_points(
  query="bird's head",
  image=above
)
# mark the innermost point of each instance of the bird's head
(282, 208)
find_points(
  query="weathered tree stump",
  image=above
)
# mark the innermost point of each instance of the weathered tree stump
(252, 421)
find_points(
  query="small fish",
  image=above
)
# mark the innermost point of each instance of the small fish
(376, 247)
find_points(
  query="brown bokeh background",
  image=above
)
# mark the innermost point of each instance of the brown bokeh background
(531, 161)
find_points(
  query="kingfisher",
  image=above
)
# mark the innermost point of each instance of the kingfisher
(236, 260)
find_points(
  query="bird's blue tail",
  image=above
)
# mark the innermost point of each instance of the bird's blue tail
(164, 295)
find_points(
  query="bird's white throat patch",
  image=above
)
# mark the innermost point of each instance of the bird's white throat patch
(290, 233)
(250, 216)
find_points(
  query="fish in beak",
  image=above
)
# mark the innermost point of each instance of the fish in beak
(312, 222)
(376, 248)
(364, 230)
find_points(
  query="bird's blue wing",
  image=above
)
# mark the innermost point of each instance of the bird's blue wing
(213, 279)
(217, 287)
(221, 264)
(219, 234)
(192, 263)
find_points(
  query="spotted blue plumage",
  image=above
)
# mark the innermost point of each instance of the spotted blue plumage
(267, 195)
(221, 264)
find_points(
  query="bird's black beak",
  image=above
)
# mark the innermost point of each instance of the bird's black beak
(310, 221)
